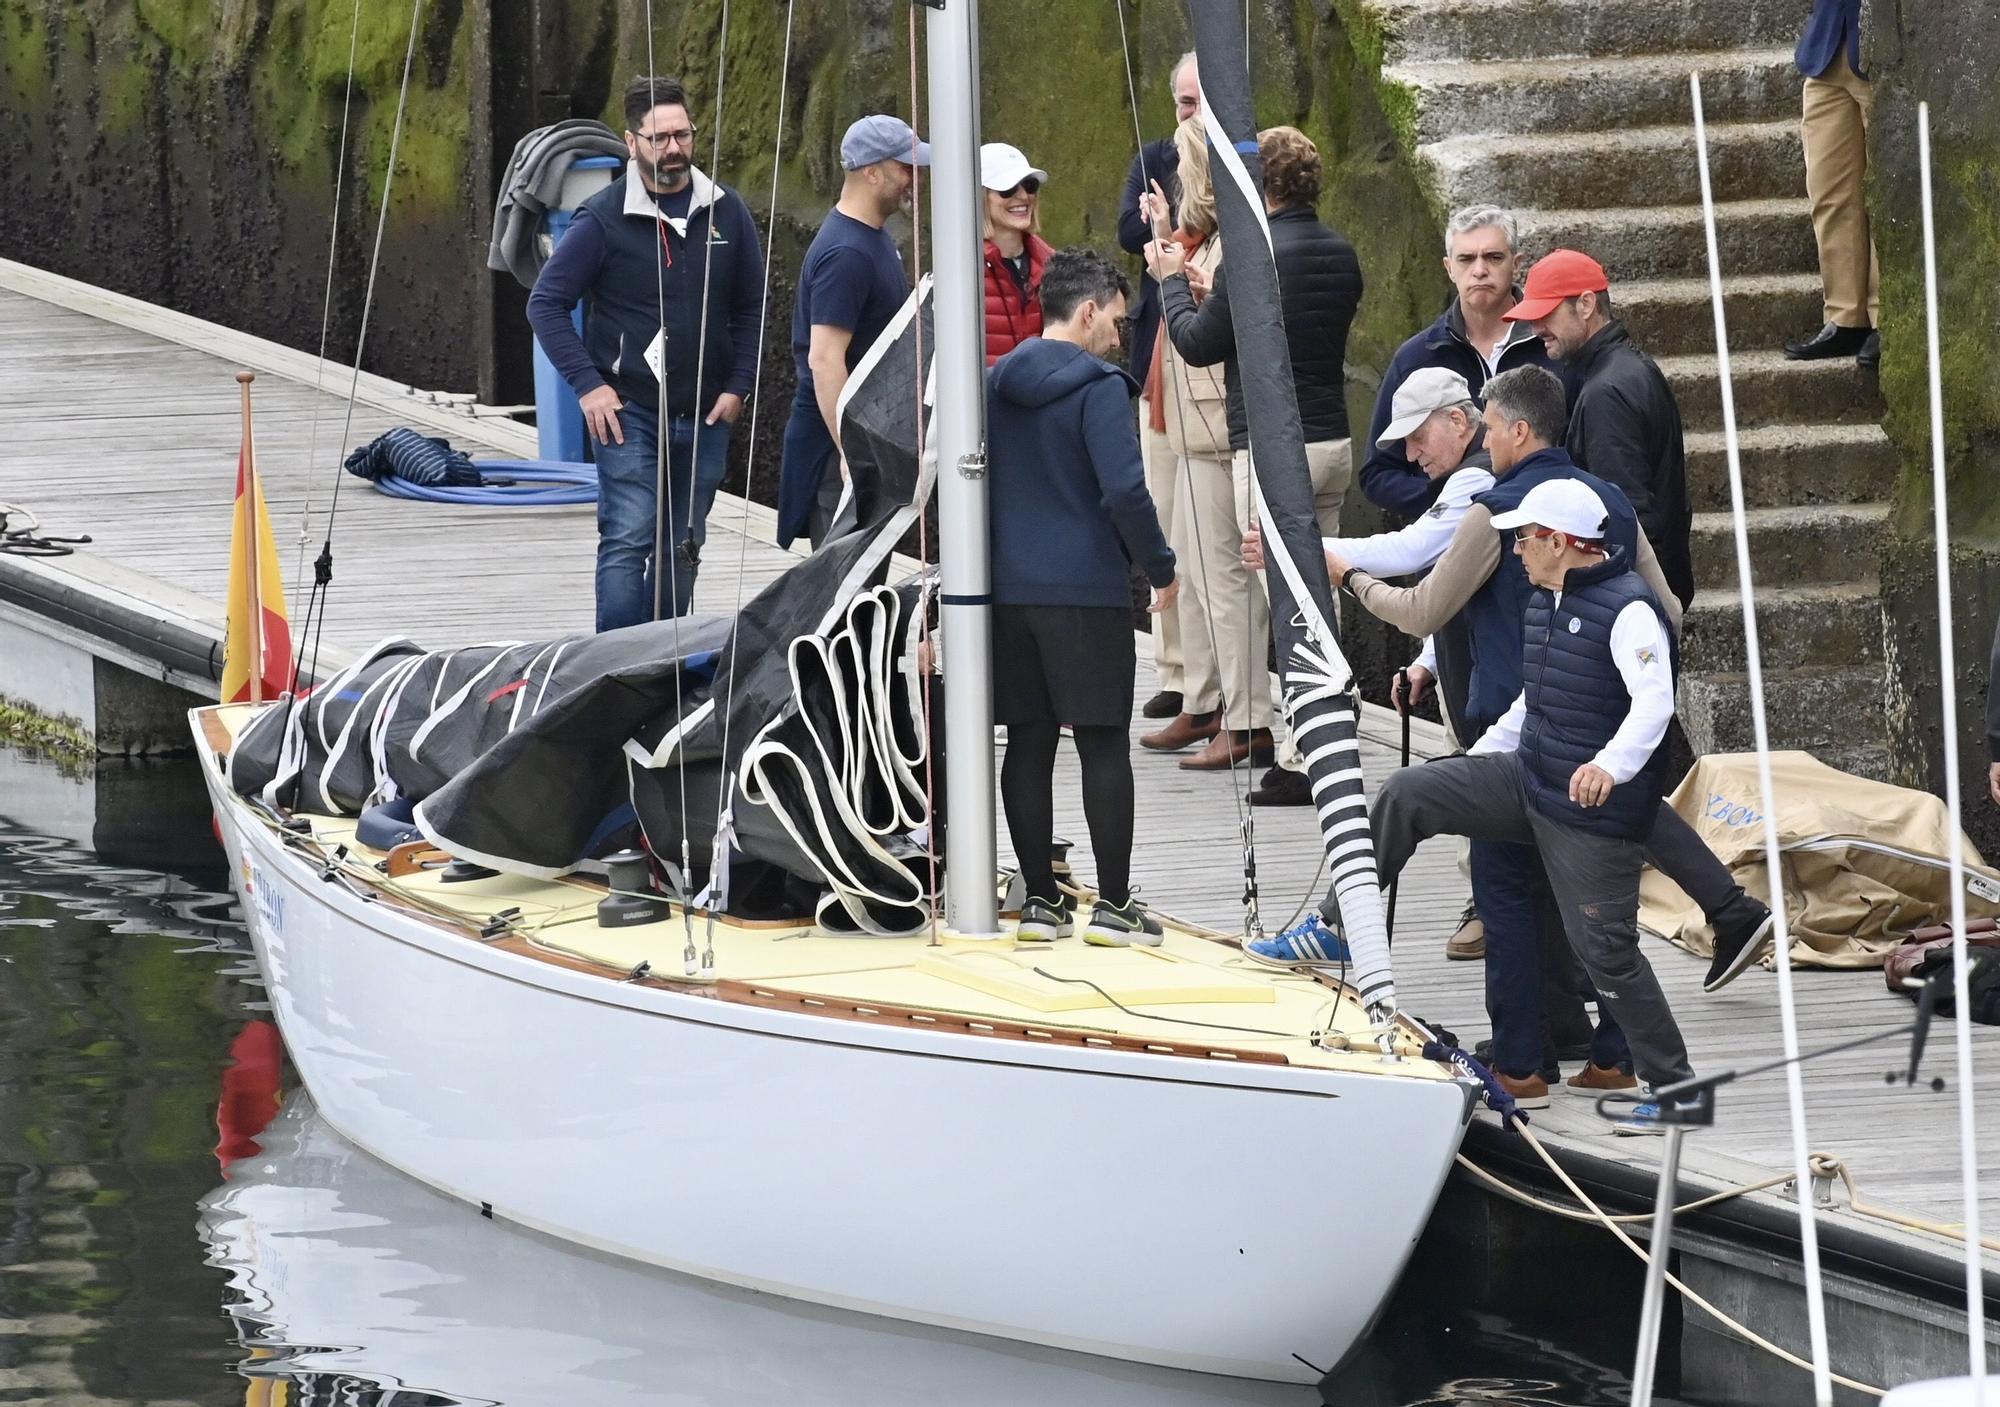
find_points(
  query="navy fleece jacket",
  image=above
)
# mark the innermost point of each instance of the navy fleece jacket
(1069, 507)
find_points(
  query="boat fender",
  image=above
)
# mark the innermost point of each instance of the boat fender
(1497, 1098)
(629, 876)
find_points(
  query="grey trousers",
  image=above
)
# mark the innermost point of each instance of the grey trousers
(1595, 879)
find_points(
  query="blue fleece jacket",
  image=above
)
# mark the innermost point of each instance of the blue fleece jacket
(1069, 507)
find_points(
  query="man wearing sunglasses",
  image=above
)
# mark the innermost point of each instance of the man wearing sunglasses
(670, 271)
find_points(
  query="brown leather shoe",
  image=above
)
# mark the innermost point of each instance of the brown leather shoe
(1595, 1079)
(1186, 730)
(1468, 944)
(1233, 749)
(1529, 1091)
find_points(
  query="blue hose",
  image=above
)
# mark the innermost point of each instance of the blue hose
(539, 483)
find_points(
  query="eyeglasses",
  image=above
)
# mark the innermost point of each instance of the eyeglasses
(682, 138)
(1028, 184)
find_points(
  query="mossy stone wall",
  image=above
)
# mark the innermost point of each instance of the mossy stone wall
(1945, 55)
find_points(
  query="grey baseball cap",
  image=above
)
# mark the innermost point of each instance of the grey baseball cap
(1425, 390)
(880, 137)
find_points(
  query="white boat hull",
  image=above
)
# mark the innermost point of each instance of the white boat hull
(1243, 1219)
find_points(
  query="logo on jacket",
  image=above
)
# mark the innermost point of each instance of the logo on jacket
(1647, 655)
(1575, 625)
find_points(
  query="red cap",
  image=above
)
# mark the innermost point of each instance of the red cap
(1559, 274)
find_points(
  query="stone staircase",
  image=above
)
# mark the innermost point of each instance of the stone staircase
(1575, 114)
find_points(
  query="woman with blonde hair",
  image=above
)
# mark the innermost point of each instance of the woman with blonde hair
(1015, 249)
(1226, 696)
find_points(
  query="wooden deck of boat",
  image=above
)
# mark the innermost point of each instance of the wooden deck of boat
(121, 421)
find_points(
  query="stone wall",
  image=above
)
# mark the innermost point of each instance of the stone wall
(1943, 54)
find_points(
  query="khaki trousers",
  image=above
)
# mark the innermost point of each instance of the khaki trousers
(1161, 481)
(1330, 466)
(1834, 130)
(1212, 608)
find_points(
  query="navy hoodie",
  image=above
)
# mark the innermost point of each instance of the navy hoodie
(1069, 507)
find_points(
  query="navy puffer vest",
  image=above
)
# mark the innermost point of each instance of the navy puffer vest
(1576, 699)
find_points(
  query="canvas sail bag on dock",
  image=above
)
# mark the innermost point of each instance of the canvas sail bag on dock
(1864, 862)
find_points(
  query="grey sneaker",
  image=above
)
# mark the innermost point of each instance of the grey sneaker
(1120, 926)
(1045, 920)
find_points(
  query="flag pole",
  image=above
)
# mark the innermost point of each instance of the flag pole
(256, 571)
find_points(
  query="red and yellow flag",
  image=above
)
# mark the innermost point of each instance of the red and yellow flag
(257, 648)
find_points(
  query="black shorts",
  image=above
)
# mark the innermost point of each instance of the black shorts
(1063, 664)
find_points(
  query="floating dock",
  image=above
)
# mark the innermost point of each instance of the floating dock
(120, 421)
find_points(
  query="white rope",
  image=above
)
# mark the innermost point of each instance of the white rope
(326, 314)
(1968, 1149)
(1753, 664)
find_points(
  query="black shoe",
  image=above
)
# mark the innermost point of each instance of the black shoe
(1869, 358)
(1282, 788)
(1738, 943)
(1832, 340)
(1046, 920)
(1121, 925)
(1164, 704)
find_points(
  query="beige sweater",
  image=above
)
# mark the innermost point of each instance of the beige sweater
(1470, 559)
(1197, 397)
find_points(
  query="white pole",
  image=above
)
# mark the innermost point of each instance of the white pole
(1968, 1150)
(1753, 662)
(958, 425)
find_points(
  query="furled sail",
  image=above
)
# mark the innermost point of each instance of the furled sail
(1317, 680)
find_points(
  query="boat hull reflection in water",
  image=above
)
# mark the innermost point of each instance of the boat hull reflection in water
(347, 1275)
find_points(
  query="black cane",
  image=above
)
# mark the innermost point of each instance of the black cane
(1402, 707)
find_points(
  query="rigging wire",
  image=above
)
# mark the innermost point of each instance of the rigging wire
(723, 799)
(923, 518)
(1246, 826)
(1754, 667)
(1968, 1147)
(326, 312)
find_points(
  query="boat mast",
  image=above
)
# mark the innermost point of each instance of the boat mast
(958, 430)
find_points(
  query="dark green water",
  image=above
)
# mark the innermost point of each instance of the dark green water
(135, 1061)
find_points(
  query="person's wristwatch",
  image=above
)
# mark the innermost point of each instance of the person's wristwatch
(1347, 579)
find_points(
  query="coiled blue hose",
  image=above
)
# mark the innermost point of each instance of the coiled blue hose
(537, 483)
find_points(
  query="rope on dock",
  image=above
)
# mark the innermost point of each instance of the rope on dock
(1610, 1223)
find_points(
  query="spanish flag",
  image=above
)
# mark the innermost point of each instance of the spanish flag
(257, 648)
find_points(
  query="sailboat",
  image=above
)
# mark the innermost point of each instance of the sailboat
(882, 1104)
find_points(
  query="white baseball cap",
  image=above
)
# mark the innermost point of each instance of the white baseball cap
(1001, 167)
(1565, 505)
(1424, 391)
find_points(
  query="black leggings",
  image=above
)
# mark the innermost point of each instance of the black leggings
(1027, 787)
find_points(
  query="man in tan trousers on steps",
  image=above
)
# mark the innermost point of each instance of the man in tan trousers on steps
(1834, 131)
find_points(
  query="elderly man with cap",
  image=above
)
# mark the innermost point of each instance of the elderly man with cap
(1576, 766)
(1624, 424)
(850, 287)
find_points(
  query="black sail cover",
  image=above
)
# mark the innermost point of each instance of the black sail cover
(1318, 682)
(787, 736)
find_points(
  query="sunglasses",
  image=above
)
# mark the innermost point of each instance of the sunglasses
(1529, 534)
(1028, 185)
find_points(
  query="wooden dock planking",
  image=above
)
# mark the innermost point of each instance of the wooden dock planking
(111, 428)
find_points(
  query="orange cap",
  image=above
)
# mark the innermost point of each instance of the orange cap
(1559, 274)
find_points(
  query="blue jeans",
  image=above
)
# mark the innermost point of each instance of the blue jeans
(627, 477)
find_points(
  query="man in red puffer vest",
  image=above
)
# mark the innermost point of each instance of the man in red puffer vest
(1015, 254)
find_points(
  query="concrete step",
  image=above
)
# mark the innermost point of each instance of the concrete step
(1773, 391)
(1821, 626)
(1747, 160)
(1871, 760)
(1646, 242)
(1792, 546)
(1426, 30)
(1674, 316)
(1565, 95)
(1803, 708)
(1793, 464)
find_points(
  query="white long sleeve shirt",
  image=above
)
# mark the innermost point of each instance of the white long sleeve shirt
(1417, 546)
(1639, 650)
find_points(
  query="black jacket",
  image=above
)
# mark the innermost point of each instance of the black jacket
(1157, 161)
(1993, 699)
(1319, 289)
(1625, 427)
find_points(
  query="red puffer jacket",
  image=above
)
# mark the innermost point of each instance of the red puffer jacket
(1011, 317)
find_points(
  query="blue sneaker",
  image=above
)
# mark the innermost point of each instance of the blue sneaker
(1308, 943)
(1645, 1118)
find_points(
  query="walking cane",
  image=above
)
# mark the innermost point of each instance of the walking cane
(1402, 707)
